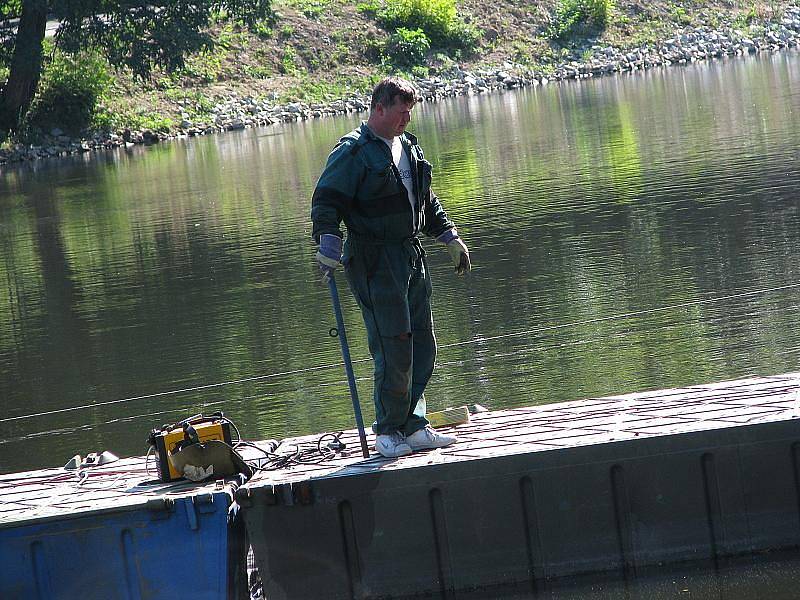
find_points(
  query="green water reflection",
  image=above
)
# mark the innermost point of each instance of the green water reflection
(614, 226)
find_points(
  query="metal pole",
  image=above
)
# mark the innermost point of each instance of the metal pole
(348, 365)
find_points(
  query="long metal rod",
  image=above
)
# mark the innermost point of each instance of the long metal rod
(348, 365)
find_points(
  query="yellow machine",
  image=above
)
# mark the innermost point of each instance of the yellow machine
(170, 439)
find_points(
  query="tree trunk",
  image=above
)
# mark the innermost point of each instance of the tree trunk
(26, 64)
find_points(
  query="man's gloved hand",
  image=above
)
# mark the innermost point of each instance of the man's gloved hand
(329, 255)
(460, 255)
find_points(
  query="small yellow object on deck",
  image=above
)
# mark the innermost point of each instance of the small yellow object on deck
(449, 417)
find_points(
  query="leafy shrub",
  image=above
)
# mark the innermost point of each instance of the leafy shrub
(289, 61)
(204, 66)
(369, 7)
(263, 30)
(9, 9)
(69, 91)
(420, 71)
(437, 19)
(679, 15)
(745, 19)
(152, 121)
(311, 9)
(574, 16)
(407, 47)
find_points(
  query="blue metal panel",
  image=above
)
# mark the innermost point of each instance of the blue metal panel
(171, 549)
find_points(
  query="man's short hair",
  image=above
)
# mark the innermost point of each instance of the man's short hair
(391, 88)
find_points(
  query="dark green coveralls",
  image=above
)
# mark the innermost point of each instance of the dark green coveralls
(385, 264)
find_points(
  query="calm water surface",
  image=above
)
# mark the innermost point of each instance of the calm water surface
(627, 233)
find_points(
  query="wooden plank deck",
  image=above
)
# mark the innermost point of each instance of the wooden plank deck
(569, 425)
(617, 485)
(54, 493)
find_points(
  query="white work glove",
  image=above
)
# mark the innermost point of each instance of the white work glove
(459, 253)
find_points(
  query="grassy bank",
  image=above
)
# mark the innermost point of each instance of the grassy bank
(318, 51)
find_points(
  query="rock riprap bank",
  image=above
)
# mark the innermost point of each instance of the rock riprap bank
(235, 112)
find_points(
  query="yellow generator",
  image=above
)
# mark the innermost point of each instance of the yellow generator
(170, 439)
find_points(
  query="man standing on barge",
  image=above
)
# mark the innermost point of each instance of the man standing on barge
(377, 181)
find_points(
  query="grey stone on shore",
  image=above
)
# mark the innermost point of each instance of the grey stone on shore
(233, 113)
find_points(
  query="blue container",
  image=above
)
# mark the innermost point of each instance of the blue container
(161, 548)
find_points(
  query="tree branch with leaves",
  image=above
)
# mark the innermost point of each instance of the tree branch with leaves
(135, 34)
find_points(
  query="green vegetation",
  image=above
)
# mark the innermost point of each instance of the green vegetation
(680, 16)
(289, 61)
(10, 9)
(407, 47)
(308, 89)
(312, 9)
(204, 67)
(139, 36)
(576, 17)
(745, 19)
(437, 19)
(194, 103)
(311, 50)
(70, 91)
(147, 120)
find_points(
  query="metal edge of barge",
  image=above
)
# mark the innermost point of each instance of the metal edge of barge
(604, 487)
(615, 486)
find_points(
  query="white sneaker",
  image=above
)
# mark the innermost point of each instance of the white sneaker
(425, 439)
(392, 445)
